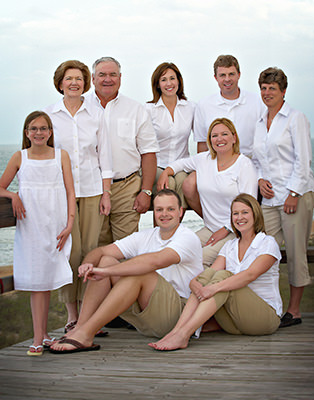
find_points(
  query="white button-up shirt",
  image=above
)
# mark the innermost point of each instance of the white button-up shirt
(244, 112)
(283, 154)
(172, 134)
(131, 132)
(85, 138)
(216, 188)
(266, 286)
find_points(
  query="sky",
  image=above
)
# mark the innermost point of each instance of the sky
(36, 36)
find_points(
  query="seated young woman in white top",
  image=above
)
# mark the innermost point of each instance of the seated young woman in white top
(222, 173)
(240, 292)
(172, 117)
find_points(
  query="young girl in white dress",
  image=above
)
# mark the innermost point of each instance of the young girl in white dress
(44, 209)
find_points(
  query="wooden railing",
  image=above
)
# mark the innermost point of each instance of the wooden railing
(7, 219)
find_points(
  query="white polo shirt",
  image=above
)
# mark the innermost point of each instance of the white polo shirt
(87, 141)
(131, 132)
(184, 242)
(283, 155)
(216, 188)
(172, 135)
(266, 286)
(243, 112)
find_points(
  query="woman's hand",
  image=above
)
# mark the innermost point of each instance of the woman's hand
(216, 236)
(105, 204)
(265, 188)
(63, 237)
(17, 206)
(290, 205)
(163, 181)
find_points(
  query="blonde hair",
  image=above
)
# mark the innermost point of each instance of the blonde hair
(232, 129)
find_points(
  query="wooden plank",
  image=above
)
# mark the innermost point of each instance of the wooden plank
(218, 365)
(6, 213)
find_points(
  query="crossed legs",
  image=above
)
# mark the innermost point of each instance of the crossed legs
(104, 300)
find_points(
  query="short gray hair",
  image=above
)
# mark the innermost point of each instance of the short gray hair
(105, 59)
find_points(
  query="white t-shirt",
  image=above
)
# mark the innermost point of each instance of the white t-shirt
(87, 141)
(184, 242)
(131, 131)
(172, 135)
(266, 285)
(216, 188)
(283, 155)
(243, 112)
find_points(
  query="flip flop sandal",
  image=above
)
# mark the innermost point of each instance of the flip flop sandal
(48, 342)
(69, 326)
(36, 352)
(78, 347)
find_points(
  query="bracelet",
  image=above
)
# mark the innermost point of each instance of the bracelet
(227, 229)
(108, 191)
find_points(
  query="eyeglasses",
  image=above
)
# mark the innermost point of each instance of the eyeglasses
(42, 129)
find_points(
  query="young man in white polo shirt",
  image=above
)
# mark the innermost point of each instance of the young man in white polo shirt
(243, 108)
(149, 289)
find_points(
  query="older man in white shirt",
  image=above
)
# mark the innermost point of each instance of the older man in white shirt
(134, 146)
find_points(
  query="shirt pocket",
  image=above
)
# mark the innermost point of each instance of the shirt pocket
(126, 128)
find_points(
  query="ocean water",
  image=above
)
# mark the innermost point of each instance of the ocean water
(191, 219)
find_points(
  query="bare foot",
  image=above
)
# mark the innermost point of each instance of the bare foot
(173, 342)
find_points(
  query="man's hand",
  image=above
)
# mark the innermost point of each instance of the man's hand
(142, 203)
(89, 272)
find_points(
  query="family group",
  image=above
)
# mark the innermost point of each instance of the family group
(96, 160)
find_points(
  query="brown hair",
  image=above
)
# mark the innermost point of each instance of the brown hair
(274, 74)
(72, 64)
(231, 127)
(226, 61)
(157, 74)
(251, 202)
(31, 117)
(169, 192)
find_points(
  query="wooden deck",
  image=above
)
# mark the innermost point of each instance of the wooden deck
(217, 366)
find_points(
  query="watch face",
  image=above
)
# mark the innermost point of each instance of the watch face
(148, 192)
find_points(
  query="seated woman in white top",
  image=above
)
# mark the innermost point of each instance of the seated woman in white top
(221, 173)
(172, 117)
(282, 154)
(240, 292)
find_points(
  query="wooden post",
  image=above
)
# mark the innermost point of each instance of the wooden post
(6, 213)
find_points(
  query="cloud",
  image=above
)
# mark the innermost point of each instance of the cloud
(36, 36)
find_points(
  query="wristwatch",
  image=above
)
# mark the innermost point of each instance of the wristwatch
(294, 194)
(148, 192)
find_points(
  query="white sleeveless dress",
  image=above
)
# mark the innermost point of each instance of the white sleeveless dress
(37, 264)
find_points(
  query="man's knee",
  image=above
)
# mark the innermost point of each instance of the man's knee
(189, 185)
(105, 261)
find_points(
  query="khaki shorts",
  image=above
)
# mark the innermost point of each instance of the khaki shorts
(161, 314)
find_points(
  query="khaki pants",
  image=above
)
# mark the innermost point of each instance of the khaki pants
(175, 183)
(122, 220)
(85, 234)
(210, 253)
(240, 311)
(162, 313)
(295, 230)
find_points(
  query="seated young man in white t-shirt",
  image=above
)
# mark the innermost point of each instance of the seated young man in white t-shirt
(149, 289)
